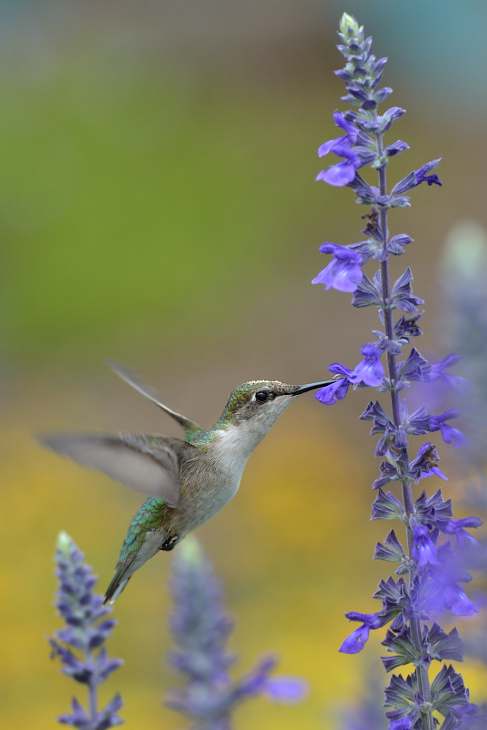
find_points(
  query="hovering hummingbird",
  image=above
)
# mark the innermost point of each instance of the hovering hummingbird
(187, 482)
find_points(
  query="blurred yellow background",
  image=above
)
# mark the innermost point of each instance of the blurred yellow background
(158, 206)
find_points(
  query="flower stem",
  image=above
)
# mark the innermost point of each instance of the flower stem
(92, 690)
(407, 494)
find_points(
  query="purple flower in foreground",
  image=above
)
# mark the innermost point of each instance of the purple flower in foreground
(343, 272)
(370, 370)
(354, 643)
(450, 434)
(81, 609)
(200, 626)
(424, 549)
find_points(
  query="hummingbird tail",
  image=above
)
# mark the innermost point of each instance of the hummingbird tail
(113, 592)
(116, 586)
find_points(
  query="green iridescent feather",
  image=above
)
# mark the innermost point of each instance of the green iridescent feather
(147, 518)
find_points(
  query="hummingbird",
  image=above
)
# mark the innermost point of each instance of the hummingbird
(186, 482)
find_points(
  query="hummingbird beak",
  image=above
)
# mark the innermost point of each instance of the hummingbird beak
(311, 386)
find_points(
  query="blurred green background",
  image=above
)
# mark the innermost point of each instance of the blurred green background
(158, 206)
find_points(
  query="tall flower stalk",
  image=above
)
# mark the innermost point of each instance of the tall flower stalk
(80, 643)
(433, 573)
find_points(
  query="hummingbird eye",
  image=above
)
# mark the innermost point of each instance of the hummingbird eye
(261, 396)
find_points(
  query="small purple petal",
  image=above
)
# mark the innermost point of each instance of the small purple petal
(449, 433)
(436, 470)
(338, 175)
(347, 126)
(354, 643)
(329, 146)
(338, 369)
(452, 435)
(455, 525)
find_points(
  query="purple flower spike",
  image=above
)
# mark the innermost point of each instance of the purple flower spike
(370, 370)
(354, 643)
(343, 272)
(78, 642)
(424, 549)
(434, 573)
(449, 434)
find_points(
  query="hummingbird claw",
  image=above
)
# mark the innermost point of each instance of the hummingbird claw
(170, 543)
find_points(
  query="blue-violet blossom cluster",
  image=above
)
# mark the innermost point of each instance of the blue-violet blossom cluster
(433, 574)
(80, 644)
(200, 627)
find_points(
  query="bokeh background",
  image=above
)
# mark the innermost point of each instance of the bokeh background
(158, 206)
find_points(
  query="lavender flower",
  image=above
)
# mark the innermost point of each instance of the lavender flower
(80, 644)
(343, 172)
(358, 638)
(344, 272)
(330, 394)
(370, 371)
(433, 572)
(200, 627)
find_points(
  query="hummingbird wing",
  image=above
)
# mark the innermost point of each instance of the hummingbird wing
(148, 464)
(190, 427)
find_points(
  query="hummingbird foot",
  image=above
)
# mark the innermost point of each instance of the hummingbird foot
(170, 543)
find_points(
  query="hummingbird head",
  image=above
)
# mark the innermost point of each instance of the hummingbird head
(259, 403)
